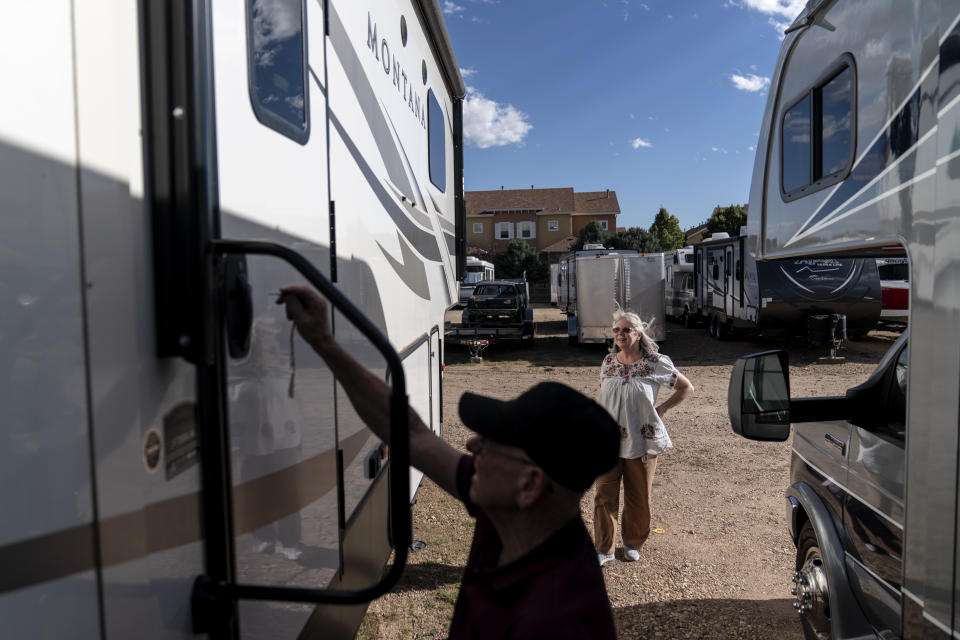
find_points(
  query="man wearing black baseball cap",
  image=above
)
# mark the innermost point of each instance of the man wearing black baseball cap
(532, 570)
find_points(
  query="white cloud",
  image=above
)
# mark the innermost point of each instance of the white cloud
(487, 123)
(651, 118)
(644, 7)
(751, 148)
(667, 130)
(750, 82)
(632, 116)
(466, 73)
(714, 149)
(451, 8)
(669, 17)
(782, 12)
(788, 9)
(636, 143)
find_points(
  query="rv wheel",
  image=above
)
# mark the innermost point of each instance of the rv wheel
(810, 589)
(712, 326)
(723, 330)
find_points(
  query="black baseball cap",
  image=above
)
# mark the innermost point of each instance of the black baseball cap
(568, 435)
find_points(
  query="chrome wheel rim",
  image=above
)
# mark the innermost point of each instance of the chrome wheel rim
(811, 594)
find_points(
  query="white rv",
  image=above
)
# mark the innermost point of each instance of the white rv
(175, 461)
(859, 156)
(476, 270)
(594, 282)
(679, 293)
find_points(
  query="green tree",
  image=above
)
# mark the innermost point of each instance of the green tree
(591, 233)
(666, 229)
(518, 257)
(636, 238)
(728, 219)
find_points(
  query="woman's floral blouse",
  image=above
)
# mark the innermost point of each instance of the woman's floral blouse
(629, 394)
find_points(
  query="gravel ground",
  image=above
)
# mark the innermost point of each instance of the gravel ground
(721, 566)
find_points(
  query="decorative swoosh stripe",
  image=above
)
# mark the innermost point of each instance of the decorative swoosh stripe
(367, 100)
(423, 241)
(409, 268)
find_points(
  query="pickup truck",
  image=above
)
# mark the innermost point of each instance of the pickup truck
(496, 303)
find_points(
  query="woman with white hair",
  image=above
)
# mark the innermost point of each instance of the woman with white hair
(630, 377)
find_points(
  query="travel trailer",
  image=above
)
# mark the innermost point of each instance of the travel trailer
(476, 271)
(736, 293)
(594, 282)
(679, 293)
(859, 156)
(177, 462)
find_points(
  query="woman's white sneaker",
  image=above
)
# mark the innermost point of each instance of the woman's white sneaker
(630, 555)
(604, 558)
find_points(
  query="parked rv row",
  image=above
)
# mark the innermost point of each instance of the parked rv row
(720, 285)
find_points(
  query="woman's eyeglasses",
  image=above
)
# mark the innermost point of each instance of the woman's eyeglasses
(622, 329)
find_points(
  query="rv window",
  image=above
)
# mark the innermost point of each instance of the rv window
(739, 271)
(835, 123)
(796, 146)
(277, 68)
(816, 143)
(437, 143)
(716, 271)
(688, 284)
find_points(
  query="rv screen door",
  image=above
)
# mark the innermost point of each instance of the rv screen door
(285, 449)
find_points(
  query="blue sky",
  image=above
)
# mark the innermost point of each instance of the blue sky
(659, 100)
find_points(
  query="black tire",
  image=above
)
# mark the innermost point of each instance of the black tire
(712, 326)
(687, 319)
(722, 331)
(808, 548)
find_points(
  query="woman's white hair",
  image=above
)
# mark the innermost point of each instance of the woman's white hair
(647, 346)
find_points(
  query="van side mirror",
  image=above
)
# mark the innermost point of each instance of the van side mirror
(758, 399)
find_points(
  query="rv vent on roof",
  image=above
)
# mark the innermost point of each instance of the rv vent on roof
(720, 235)
(591, 247)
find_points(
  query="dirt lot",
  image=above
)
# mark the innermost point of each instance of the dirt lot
(721, 566)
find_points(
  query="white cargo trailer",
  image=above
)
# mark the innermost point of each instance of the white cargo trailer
(594, 283)
(174, 461)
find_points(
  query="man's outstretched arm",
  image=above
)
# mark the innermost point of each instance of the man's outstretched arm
(369, 395)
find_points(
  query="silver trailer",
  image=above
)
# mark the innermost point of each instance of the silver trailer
(593, 283)
(175, 461)
(858, 157)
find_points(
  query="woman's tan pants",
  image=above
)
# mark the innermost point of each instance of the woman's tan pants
(637, 475)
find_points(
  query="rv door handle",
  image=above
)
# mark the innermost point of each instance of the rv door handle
(837, 442)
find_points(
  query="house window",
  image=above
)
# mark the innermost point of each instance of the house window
(478, 227)
(277, 67)
(526, 230)
(816, 136)
(553, 225)
(603, 224)
(504, 230)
